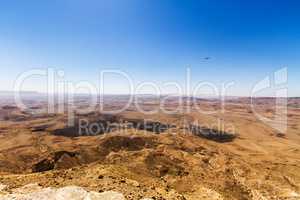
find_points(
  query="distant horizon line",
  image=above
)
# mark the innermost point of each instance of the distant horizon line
(11, 92)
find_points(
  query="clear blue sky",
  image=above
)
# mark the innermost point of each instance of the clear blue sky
(152, 40)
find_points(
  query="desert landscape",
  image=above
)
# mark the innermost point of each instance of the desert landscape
(136, 155)
(149, 100)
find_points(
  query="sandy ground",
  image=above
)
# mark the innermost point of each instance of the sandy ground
(258, 163)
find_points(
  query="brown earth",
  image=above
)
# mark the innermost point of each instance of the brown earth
(160, 156)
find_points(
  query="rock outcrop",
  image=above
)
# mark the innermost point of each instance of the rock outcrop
(34, 192)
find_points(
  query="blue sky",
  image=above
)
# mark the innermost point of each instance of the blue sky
(151, 40)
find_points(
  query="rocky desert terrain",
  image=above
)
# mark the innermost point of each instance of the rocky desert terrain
(223, 152)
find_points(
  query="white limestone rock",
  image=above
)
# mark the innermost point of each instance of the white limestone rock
(31, 192)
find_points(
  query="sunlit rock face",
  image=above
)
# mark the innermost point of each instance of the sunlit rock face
(34, 192)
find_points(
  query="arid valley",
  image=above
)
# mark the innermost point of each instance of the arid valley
(176, 155)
